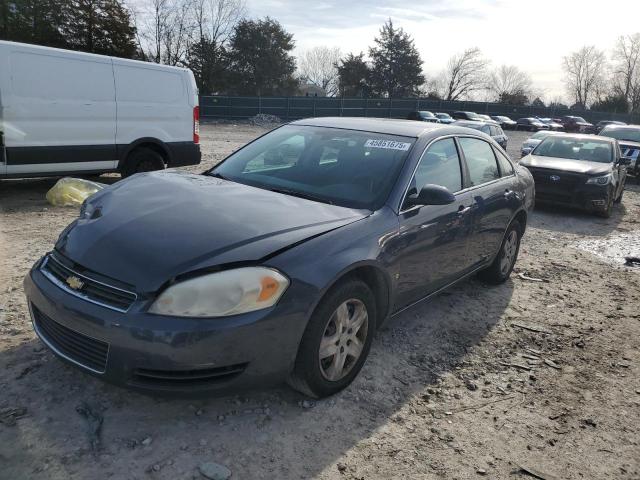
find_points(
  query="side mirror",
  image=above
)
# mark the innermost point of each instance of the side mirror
(431, 195)
(624, 161)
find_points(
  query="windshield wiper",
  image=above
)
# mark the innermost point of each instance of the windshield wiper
(307, 196)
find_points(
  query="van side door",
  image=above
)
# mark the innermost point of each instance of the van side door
(61, 110)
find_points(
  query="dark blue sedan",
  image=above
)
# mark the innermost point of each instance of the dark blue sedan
(281, 262)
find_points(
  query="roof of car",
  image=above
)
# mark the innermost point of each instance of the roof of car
(475, 122)
(616, 126)
(390, 126)
(587, 137)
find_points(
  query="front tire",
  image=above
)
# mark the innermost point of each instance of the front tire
(336, 341)
(500, 270)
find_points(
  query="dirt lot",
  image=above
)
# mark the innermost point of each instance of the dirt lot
(481, 381)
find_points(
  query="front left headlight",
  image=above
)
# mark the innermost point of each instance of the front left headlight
(603, 180)
(221, 294)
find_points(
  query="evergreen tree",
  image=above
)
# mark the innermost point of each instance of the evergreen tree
(99, 26)
(353, 76)
(32, 21)
(396, 69)
(209, 63)
(260, 59)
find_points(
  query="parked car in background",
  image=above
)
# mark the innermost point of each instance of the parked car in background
(530, 124)
(628, 137)
(552, 124)
(444, 118)
(65, 112)
(603, 123)
(534, 140)
(423, 116)
(573, 124)
(576, 170)
(251, 274)
(491, 128)
(484, 117)
(460, 115)
(505, 122)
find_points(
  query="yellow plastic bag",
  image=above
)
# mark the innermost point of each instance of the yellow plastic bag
(70, 192)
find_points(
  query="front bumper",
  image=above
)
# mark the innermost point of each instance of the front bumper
(168, 354)
(592, 198)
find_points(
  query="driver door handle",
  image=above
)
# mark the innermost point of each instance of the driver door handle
(462, 210)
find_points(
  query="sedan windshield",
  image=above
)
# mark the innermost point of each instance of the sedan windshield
(343, 167)
(628, 134)
(575, 149)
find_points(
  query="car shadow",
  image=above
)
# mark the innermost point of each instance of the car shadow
(276, 432)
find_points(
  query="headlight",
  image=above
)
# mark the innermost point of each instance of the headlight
(221, 294)
(603, 180)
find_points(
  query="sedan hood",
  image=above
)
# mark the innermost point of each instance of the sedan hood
(156, 226)
(566, 165)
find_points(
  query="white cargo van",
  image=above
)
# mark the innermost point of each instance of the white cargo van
(65, 112)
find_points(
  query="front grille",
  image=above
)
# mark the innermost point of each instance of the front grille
(179, 378)
(83, 286)
(74, 346)
(567, 180)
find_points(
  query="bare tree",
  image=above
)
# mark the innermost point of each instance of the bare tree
(167, 30)
(626, 69)
(585, 71)
(215, 19)
(319, 66)
(465, 74)
(509, 81)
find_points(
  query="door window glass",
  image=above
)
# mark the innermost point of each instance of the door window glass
(506, 168)
(481, 161)
(440, 165)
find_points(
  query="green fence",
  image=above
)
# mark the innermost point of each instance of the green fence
(292, 108)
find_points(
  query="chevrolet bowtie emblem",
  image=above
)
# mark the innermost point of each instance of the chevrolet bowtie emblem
(75, 283)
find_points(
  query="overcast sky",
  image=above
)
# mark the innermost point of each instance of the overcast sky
(534, 35)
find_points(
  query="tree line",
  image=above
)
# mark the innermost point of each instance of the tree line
(232, 54)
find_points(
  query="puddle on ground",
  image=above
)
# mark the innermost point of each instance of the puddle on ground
(614, 248)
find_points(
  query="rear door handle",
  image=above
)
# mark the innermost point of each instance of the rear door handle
(509, 193)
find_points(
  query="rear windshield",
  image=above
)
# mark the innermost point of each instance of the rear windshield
(575, 149)
(629, 134)
(331, 165)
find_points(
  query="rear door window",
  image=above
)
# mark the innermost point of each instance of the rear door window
(506, 167)
(481, 161)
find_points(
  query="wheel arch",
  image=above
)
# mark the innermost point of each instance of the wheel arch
(375, 277)
(151, 143)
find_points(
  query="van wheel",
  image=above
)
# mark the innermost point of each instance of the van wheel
(336, 341)
(142, 160)
(499, 271)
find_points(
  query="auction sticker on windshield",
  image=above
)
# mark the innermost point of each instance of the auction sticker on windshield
(388, 144)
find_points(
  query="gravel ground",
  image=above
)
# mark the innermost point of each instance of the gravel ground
(539, 374)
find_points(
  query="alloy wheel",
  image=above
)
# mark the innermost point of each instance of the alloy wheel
(343, 339)
(509, 251)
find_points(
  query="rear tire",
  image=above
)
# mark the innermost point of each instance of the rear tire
(500, 270)
(342, 329)
(142, 160)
